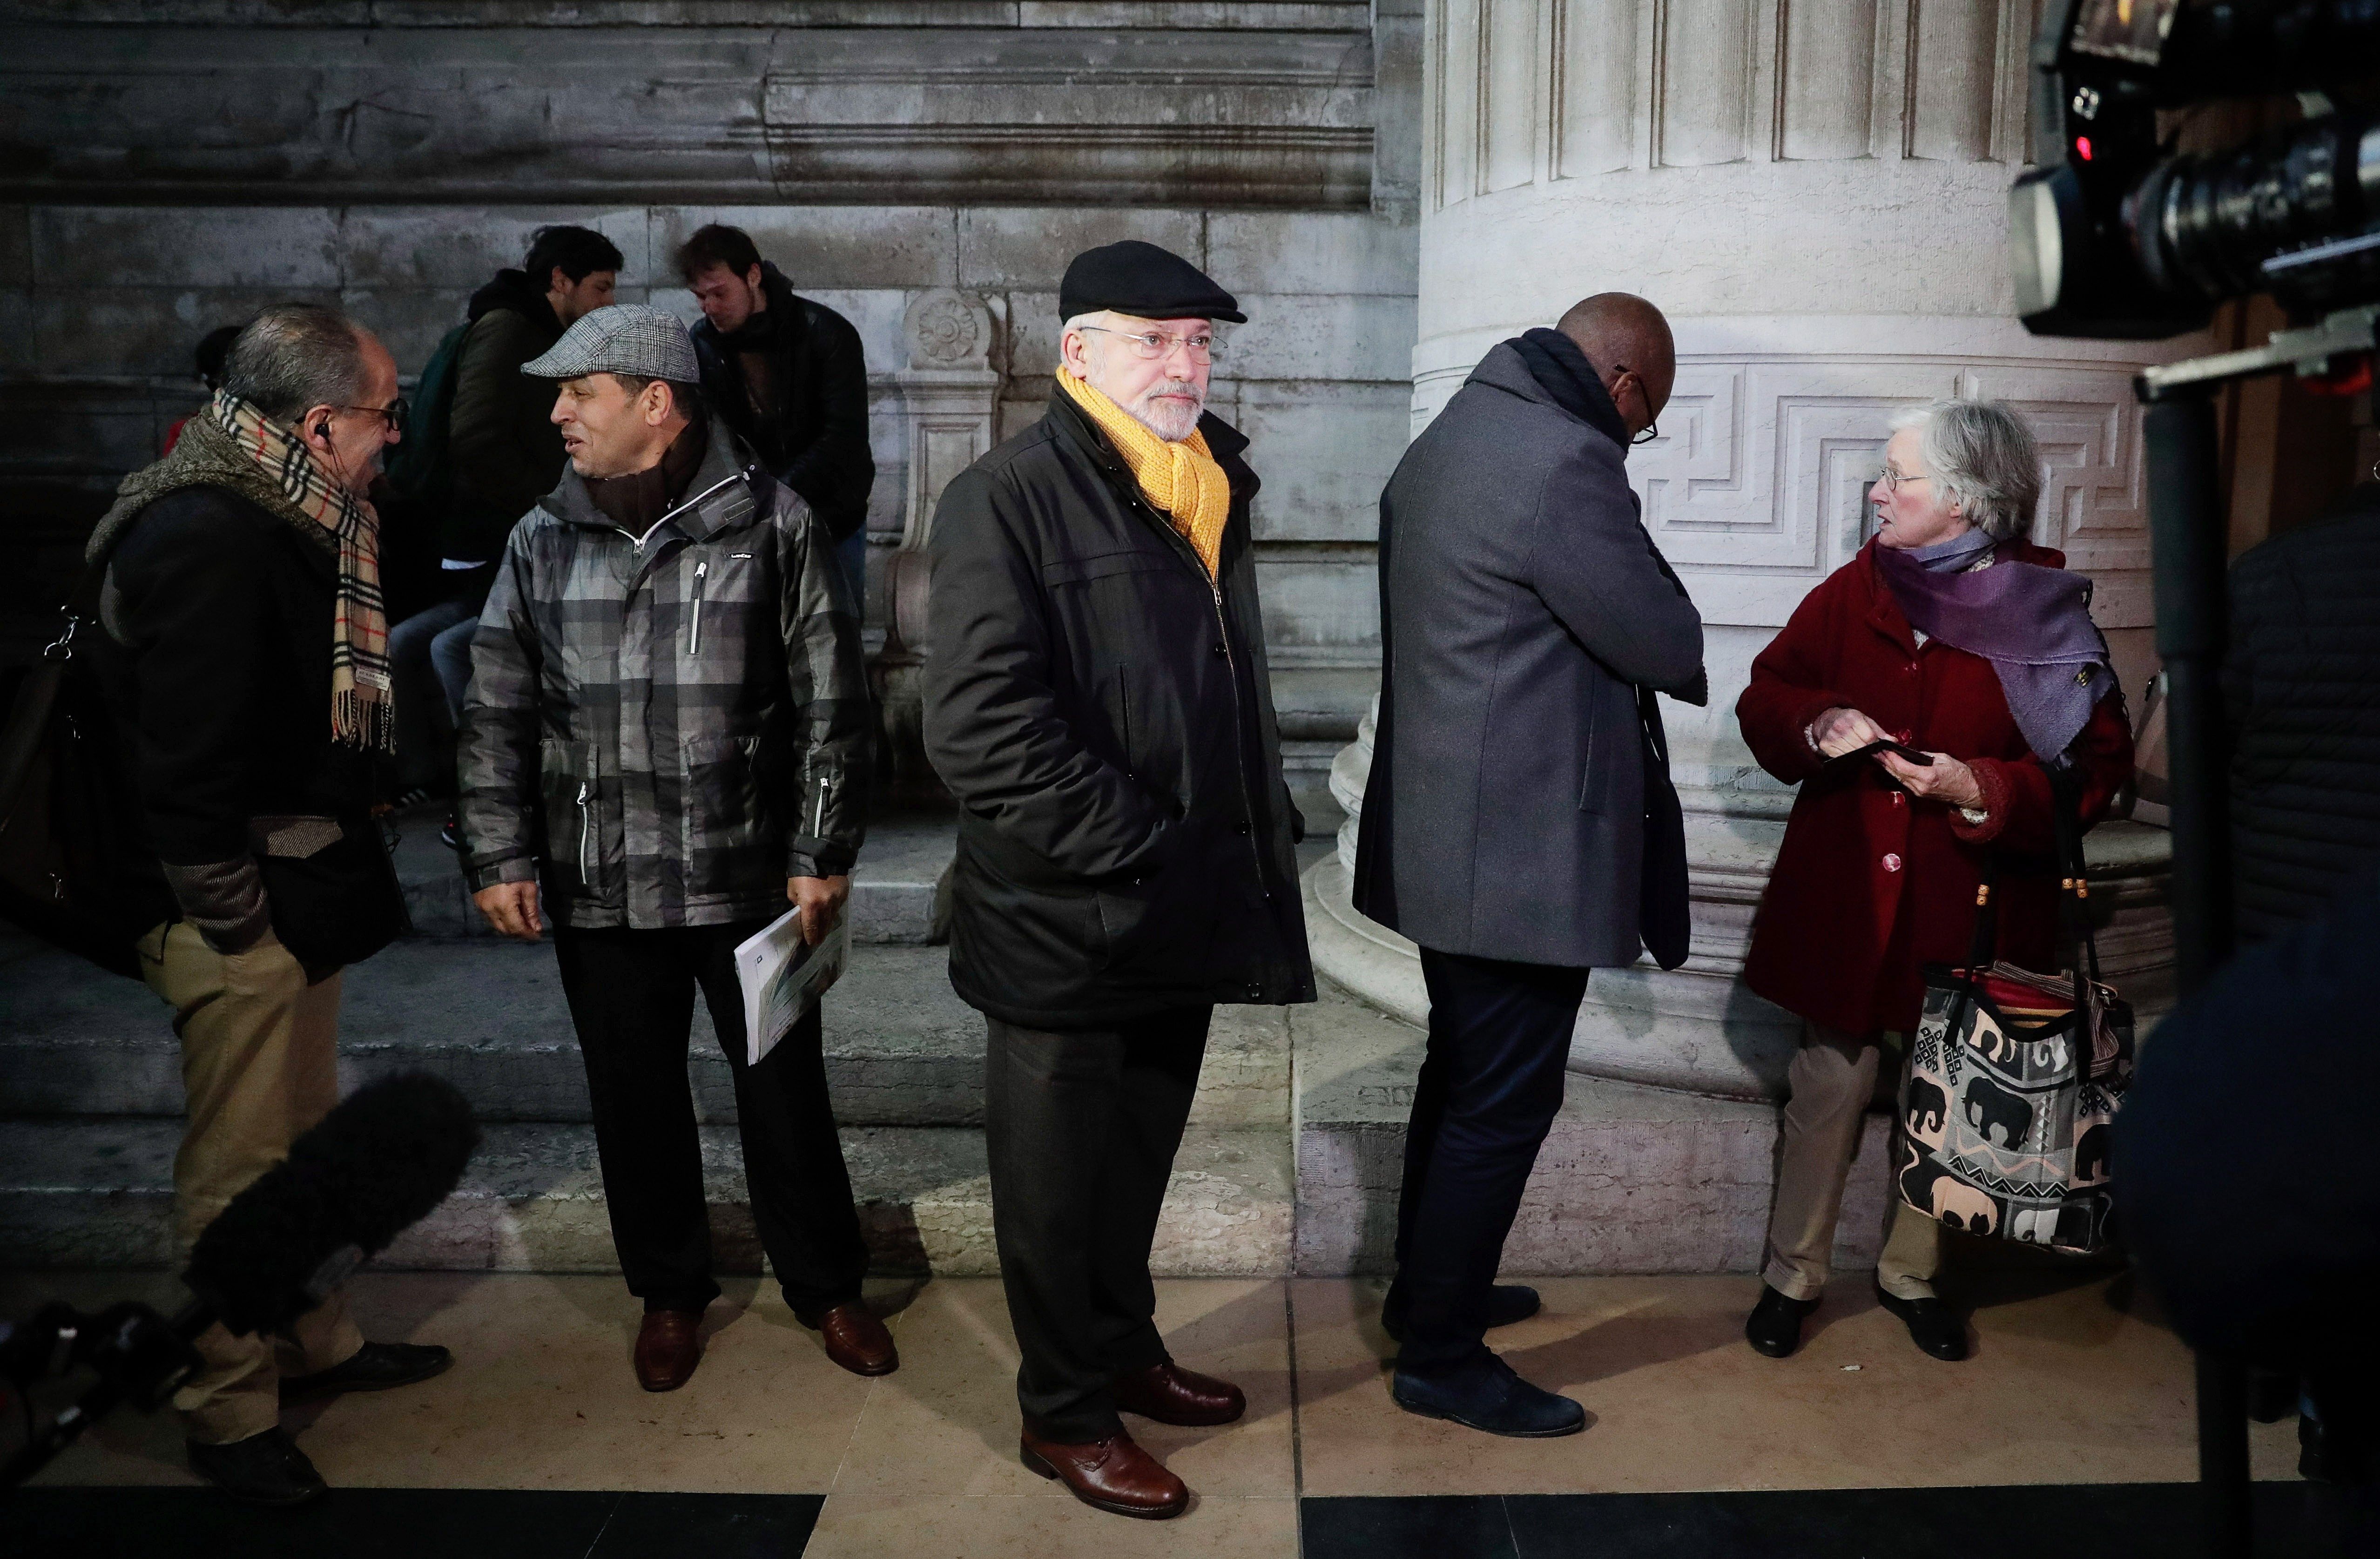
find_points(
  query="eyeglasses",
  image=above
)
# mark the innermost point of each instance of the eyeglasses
(1652, 421)
(396, 413)
(1150, 345)
(1892, 478)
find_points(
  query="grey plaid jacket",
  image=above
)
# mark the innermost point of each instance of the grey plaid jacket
(671, 728)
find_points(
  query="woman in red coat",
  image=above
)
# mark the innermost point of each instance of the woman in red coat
(1951, 634)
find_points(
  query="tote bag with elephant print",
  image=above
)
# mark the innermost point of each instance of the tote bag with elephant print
(2013, 1081)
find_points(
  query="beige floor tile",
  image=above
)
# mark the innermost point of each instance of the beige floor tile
(873, 1526)
(2066, 1386)
(541, 1396)
(948, 1420)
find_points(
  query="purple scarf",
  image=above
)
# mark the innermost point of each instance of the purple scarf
(2033, 624)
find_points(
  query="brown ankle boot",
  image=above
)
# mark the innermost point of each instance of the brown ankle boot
(1114, 1475)
(1171, 1395)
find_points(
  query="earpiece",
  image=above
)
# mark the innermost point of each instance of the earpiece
(323, 429)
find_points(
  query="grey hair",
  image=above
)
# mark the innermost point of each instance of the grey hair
(294, 356)
(1983, 459)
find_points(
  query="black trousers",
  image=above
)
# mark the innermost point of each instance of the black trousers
(1490, 1082)
(1083, 1126)
(631, 997)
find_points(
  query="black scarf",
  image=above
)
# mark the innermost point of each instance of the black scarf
(1563, 373)
(637, 501)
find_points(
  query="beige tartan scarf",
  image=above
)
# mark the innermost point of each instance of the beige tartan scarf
(233, 444)
(361, 707)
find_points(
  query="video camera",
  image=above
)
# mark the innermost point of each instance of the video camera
(2115, 235)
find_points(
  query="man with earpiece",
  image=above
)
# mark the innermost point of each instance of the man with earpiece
(246, 659)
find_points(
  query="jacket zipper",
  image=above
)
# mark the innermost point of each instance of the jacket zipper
(1123, 697)
(586, 835)
(1239, 736)
(818, 812)
(693, 646)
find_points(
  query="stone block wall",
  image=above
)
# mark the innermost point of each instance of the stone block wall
(168, 166)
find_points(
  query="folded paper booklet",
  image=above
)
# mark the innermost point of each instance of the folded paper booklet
(783, 978)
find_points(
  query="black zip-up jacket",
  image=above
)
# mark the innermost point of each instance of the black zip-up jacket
(1103, 715)
(818, 446)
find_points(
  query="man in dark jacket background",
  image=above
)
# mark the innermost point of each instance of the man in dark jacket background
(243, 659)
(788, 374)
(1503, 828)
(666, 725)
(506, 453)
(1097, 700)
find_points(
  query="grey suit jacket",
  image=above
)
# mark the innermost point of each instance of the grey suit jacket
(1520, 604)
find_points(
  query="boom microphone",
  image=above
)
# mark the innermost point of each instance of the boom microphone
(376, 1165)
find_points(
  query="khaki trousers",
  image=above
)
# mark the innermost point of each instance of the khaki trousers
(259, 1065)
(1834, 1080)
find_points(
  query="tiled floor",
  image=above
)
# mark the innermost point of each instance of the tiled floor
(2070, 1385)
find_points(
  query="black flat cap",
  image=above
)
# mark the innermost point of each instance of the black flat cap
(1132, 278)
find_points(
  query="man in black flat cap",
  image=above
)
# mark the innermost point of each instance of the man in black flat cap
(1097, 699)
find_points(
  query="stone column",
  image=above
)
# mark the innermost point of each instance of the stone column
(1814, 194)
(950, 396)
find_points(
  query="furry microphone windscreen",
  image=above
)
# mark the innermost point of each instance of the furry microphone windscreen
(377, 1164)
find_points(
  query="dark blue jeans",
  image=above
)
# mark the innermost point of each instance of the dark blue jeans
(1490, 1082)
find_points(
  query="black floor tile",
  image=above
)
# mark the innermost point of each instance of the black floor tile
(1439, 1527)
(404, 1523)
(2097, 1521)
(708, 1527)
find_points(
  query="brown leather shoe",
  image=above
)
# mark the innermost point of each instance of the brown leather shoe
(1171, 1395)
(669, 1344)
(1114, 1475)
(856, 1338)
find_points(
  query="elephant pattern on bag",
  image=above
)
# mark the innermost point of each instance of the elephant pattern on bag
(1986, 1104)
(1926, 1112)
(2002, 1135)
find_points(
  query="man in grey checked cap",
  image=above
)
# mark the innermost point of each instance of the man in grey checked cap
(664, 744)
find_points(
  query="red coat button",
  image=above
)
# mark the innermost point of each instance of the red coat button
(1892, 863)
(1896, 799)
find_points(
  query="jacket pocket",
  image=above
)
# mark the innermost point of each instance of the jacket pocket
(574, 829)
(722, 824)
(1591, 777)
(1162, 922)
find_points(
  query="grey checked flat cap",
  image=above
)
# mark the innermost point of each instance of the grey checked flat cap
(625, 338)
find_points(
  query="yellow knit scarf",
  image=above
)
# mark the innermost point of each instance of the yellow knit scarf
(1181, 480)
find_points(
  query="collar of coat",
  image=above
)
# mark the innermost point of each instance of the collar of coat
(724, 492)
(1505, 369)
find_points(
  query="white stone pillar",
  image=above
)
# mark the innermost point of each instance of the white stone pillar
(950, 396)
(1815, 195)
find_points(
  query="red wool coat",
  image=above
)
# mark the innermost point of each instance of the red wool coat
(1872, 882)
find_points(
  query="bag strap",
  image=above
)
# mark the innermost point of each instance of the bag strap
(1981, 948)
(2074, 909)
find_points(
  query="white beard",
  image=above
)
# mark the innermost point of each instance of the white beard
(1170, 418)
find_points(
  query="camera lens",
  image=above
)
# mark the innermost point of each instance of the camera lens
(2203, 226)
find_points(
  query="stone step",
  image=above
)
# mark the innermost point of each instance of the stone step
(488, 1016)
(1630, 1180)
(900, 889)
(98, 1193)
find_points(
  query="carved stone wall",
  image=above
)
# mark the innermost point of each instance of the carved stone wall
(1814, 194)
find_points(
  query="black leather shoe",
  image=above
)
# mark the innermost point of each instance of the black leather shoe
(1507, 1302)
(1774, 1327)
(1489, 1397)
(375, 1367)
(1935, 1327)
(263, 1470)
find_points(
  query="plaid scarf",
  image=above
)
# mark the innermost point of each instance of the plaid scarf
(361, 707)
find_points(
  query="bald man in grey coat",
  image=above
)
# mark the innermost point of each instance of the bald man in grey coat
(1523, 606)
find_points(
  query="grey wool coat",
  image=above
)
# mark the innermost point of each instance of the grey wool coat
(1521, 603)
(663, 730)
